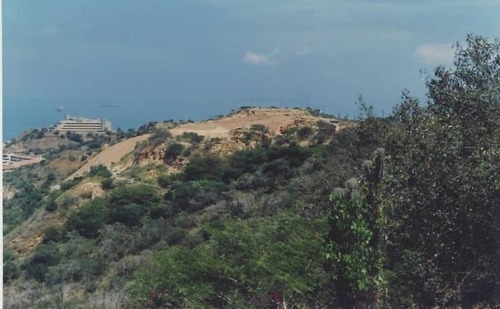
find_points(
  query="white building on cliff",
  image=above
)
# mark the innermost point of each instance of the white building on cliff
(83, 125)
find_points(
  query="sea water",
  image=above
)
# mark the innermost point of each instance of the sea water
(20, 115)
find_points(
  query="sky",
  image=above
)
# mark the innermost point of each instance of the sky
(221, 54)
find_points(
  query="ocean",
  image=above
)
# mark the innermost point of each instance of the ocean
(23, 114)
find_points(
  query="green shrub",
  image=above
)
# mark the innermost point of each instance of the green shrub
(50, 205)
(164, 180)
(193, 137)
(10, 271)
(51, 178)
(192, 196)
(74, 137)
(43, 256)
(161, 211)
(158, 137)
(95, 143)
(68, 202)
(202, 168)
(10, 268)
(144, 195)
(88, 218)
(52, 233)
(304, 133)
(70, 183)
(107, 184)
(100, 171)
(173, 151)
(128, 214)
(325, 131)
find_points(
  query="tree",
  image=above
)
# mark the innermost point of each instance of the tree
(444, 184)
(144, 195)
(173, 151)
(100, 171)
(88, 218)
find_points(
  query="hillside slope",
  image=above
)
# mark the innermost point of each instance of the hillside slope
(111, 155)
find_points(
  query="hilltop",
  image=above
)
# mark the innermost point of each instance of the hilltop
(227, 130)
(271, 118)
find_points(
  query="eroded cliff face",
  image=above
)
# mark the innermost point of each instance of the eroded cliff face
(150, 154)
(239, 139)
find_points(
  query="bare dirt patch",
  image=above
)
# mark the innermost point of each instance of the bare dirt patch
(273, 119)
(111, 156)
(30, 233)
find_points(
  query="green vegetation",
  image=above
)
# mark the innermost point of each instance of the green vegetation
(394, 212)
(100, 171)
(194, 138)
(173, 151)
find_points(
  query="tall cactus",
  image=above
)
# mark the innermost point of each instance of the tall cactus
(374, 171)
(357, 246)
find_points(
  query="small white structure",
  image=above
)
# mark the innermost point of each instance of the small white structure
(12, 161)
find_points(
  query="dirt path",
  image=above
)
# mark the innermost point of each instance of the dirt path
(110, 155)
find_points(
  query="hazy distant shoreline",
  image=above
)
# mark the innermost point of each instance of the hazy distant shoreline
(20, 115)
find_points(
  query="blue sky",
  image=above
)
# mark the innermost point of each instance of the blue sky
(207, 53)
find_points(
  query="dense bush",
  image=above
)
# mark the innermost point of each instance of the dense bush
(52, 233)
(202, 168)
(75, 137)
(70, 183)
(128, 214)
(164, 180)
(193, 137)
(94, 143)
(107, 184)
(304, 132)
(161, 211)
(87, 219)
(144, 195)
(100, 171)
(43, 256)
(173, 151)
(158, 137)
(10, 268)
(242, 266)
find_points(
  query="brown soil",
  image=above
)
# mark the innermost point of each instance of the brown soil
(271, 118)
(69, 161)
(110, 157)
(30, 233)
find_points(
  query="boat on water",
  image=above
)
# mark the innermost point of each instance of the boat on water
(110, 105)
(60, 108)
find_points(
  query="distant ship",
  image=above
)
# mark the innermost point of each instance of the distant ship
(110, 105)
(60, 108)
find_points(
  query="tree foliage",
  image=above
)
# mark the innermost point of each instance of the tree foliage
(445, 177)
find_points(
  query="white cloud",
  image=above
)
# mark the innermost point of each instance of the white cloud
(435, 53)
(303, 51)
(261, 59)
